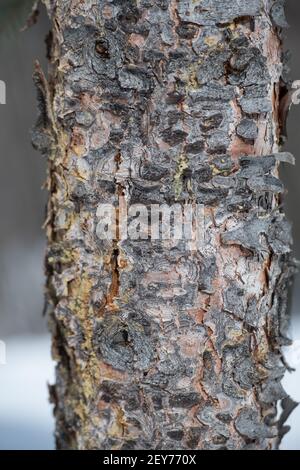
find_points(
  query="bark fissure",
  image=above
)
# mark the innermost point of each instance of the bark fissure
(164, 102)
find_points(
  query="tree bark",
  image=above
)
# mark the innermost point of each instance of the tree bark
(164, 101)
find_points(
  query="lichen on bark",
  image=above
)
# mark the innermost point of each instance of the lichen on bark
(164, 101)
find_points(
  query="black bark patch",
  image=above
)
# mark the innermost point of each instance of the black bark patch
(224, 417)
(185, 400)
(233, 301)
(278, 14)
(177, 435)
(213, 66)
(195, 147)
(123, 344)
(194, 434)
(174, 137)
(203, 174)
(211, 122)
(214, 92)
(247, 129)
(247, 235)
(174, 98)
(248, 424)
(211, 196)
(258, 166)
(187, 30)
(102, 48)
(136, 78)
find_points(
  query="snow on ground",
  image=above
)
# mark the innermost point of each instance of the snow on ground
(26, 420)
(291, 383)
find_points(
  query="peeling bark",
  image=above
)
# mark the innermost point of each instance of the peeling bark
(164, 101)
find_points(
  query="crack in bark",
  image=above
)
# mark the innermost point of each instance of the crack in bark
(158, 104)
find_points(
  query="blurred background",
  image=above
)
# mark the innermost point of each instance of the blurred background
(26, 420)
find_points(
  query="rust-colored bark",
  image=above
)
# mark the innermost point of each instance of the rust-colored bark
(160, 102)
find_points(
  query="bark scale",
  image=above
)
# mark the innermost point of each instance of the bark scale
(164, 101)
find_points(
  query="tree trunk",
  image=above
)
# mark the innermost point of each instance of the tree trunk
(162, 102)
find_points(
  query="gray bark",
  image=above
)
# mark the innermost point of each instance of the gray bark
(165, 101)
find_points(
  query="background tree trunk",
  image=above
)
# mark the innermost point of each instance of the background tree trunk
(164, 101)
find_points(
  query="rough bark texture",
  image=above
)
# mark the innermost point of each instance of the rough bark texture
(163, 101)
